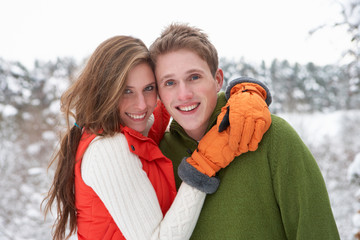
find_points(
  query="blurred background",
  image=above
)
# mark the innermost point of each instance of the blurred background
(306, 51)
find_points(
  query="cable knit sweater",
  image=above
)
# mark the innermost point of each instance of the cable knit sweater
(117, 177)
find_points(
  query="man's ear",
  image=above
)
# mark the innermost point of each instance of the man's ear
(219, 78)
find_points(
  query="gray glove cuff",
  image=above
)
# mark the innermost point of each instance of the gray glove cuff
(196, 179)
(268, 99)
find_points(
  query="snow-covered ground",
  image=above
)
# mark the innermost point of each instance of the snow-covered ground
(333, 138)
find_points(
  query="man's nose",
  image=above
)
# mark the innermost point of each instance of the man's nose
(184, 92)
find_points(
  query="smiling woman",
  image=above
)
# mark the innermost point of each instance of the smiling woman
(138, 101)
(112, 181)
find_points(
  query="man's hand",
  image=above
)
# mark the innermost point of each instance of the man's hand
(248, 116)
(213, 152)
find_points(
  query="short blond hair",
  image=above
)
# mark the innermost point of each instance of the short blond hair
(182, 36)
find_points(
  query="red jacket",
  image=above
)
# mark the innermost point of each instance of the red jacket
(93, 219)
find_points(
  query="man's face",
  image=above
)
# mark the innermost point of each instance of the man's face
(188, 89)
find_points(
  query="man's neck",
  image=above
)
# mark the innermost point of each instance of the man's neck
(196, 134)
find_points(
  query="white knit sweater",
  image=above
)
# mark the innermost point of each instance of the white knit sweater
(117, 177)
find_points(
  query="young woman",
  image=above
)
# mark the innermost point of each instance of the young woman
(111, 180)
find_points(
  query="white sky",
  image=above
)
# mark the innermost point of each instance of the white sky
(254, 29)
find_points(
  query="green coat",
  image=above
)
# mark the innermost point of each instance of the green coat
(276, 192)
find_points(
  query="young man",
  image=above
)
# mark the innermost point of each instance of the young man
(276, 192)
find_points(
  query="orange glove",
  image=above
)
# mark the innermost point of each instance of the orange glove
(248, 115)
(213, 152)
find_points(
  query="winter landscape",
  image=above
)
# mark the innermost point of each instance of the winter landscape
(321, 102)
(31, 121)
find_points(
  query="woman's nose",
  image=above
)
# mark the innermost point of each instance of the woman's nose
(140, 101)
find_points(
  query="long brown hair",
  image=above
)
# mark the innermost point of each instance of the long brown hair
(92, 101)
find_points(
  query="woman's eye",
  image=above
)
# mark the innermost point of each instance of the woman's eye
(149, 88)
(127, 91)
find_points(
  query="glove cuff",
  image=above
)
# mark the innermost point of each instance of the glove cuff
(204, 164)
(196, 179)
(236, 81)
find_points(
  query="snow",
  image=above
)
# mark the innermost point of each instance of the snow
(354, 18)
(49, 135)
(33, 149)
(35, 171)
(54, 106)
(354, 169)
(356, 220)
(315, 128)
(8, 110)
(27, 116)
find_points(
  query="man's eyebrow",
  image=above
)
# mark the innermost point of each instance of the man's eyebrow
(166, 76)
(190, 71)
(194, 70)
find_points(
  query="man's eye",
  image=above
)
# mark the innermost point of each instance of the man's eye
(195, 77)
(169, 83)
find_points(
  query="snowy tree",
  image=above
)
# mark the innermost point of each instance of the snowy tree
(351, 21)
(29, 122)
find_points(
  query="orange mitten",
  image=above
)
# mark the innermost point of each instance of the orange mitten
(247, 114)
(213, 152)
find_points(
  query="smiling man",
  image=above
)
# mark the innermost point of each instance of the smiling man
(276, 192)
(188, 89)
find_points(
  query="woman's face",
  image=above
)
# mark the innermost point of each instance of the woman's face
(138, 101)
